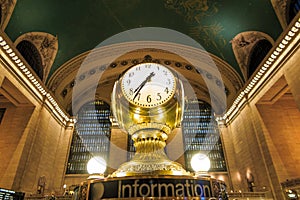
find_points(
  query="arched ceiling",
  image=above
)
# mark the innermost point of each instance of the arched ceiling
(82, 25)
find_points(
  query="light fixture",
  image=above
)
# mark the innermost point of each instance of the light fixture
(3, 43)
(200, 164)
(287, 37)
(294, 29)
(284, 42)
(6, 47)
(281, 45)
(273, 56)
(96, 167)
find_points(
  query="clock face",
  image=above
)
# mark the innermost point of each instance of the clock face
(148, 85)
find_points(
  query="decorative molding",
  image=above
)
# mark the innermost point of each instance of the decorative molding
(242, 45)
(20, 69)
(46, 44)
(286, 44)
(7, 7)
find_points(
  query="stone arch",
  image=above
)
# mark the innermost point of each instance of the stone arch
(242, 46)
(6, 10)
(258, 53)
(292, 8)
(32, 56)
(47, 47)
(283, 9)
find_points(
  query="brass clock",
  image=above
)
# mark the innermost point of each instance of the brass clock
(148, 103)
(148, 85)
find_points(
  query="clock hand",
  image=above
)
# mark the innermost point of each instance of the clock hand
(138, 89)
(148, 78)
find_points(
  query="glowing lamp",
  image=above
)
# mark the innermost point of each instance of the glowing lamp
(96, 167)
(200, 163)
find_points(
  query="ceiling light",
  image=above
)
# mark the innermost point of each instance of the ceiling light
(6, 47)
(3, 43)
(294, 29)
(284, 42)
(281, 46)
(290, 33)
(288, 38)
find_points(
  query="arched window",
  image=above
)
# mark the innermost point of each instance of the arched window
(91, 136)
(259, 52)
(32, 56)
(201, 135)
(292, 10)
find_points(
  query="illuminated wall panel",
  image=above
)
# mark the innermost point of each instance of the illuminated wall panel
(91, 136)
(201, 135)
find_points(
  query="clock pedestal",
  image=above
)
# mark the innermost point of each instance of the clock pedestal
(150, 157)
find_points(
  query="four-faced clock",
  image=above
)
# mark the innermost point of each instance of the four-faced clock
(148, 85)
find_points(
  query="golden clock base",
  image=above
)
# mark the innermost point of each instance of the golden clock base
(150, 159)
(138, 168)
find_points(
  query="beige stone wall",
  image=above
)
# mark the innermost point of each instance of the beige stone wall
(46, 153)
(11, 141)
(243, 152)
(263, 137)
(282, 120)
(33, 142)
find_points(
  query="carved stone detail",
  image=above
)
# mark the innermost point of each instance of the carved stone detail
(242, 45)
(46, 44)
(280, 7)
(7, 7)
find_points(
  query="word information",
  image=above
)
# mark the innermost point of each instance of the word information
(151, 187)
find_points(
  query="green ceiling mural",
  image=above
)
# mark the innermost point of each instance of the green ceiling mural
(81, 25)
(203, 27)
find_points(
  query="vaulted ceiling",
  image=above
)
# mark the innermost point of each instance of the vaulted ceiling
(81, 25)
